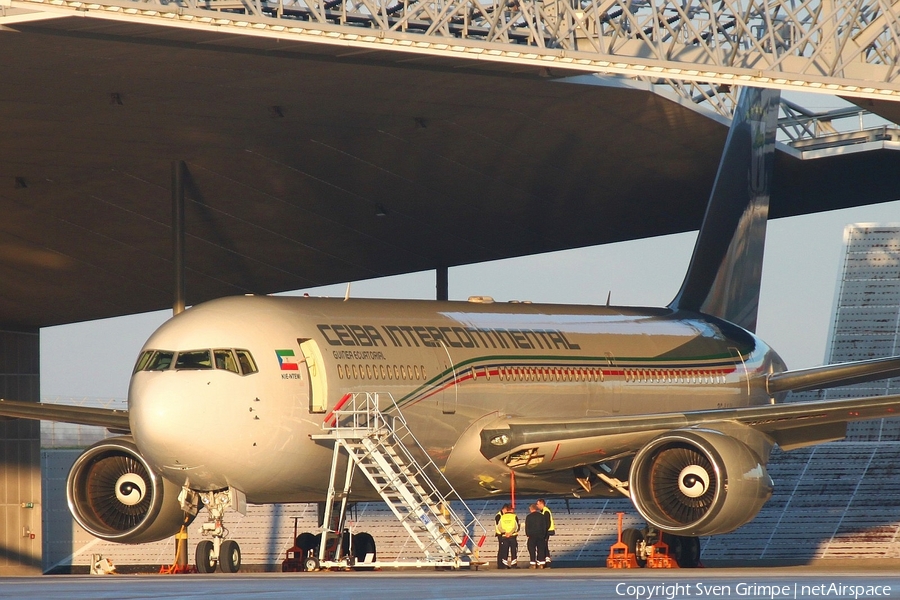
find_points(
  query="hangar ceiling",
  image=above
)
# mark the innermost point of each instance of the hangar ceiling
(309, 165)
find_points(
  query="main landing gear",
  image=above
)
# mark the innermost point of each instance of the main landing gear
(356, 551)
(685, 550)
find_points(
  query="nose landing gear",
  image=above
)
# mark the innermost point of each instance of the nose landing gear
(219, 551)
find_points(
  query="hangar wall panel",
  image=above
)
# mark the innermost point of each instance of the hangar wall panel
(867, 318)
(20, 475)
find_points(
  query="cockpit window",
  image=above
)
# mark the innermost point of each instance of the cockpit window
(142, 361)
(160, 361)
(225, 360)
(248, 365)
(193, 359)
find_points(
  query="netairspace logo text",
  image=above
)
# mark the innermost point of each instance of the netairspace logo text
(671, 591)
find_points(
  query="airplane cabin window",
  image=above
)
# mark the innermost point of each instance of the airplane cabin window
(193, 359)
(340, 370)
(225, 360)
(245, 359)
(161, 360)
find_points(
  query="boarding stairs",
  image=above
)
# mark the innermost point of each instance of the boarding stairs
(374, 434)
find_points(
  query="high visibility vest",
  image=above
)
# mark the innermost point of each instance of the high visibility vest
(509, 523)
(549, 516)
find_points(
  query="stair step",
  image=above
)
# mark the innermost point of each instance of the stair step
(384, 449)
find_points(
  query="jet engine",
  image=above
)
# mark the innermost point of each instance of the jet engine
(698, 482)
(116, 496)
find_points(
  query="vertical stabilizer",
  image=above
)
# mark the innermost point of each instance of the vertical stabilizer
(725, 271)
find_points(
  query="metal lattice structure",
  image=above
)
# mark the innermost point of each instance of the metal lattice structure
(846, 47)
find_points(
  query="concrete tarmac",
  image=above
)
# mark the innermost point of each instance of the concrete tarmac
(807, 582)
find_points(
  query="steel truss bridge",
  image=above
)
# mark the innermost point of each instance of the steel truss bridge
(698, 47)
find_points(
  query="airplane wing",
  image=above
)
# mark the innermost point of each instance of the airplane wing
(544, 445)
(116, 420)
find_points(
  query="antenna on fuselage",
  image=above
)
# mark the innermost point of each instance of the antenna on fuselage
(347, 293)
(608, 297)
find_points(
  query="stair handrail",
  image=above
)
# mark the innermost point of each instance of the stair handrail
(361, 411)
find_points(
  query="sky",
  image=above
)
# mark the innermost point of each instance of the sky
(800, 275)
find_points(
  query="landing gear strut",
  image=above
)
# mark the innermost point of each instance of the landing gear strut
(219, 551)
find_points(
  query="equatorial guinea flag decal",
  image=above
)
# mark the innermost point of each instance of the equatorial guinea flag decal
(287, 361)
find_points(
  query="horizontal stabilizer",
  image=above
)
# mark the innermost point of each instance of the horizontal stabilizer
(829, 376)
(82, 415)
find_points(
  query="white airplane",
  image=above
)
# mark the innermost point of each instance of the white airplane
(676, 407)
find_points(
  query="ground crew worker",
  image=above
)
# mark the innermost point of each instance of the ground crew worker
(551, 526)
(508, 528)
(498, 532)
(536, 530)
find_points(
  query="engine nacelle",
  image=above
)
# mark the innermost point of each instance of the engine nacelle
(698, 482)
(116, 496)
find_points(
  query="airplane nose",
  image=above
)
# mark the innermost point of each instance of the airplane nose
(163, 412)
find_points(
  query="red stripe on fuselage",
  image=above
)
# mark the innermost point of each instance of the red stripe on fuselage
(519, 373)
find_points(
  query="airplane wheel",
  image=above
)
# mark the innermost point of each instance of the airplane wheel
(311, 563)
(230, 556)
(306, 541)
(685, 550)
(204, 557)
(363, 544)
(633, 539)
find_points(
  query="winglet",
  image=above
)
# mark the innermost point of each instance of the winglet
(726, 268)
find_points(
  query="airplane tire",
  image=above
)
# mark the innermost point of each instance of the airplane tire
(204, 559)
(363, 544)
(685, 550)
(633, 538)
(306, 541)
(230, 556)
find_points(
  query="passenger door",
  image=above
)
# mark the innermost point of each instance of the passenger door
(318, 382)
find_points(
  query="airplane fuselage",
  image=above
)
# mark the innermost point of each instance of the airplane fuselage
(275, 366)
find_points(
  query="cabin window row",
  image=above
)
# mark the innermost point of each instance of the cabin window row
(384, 372)
(587, 374)
(673, 376)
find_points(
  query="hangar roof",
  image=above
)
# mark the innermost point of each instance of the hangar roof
(310, 165)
